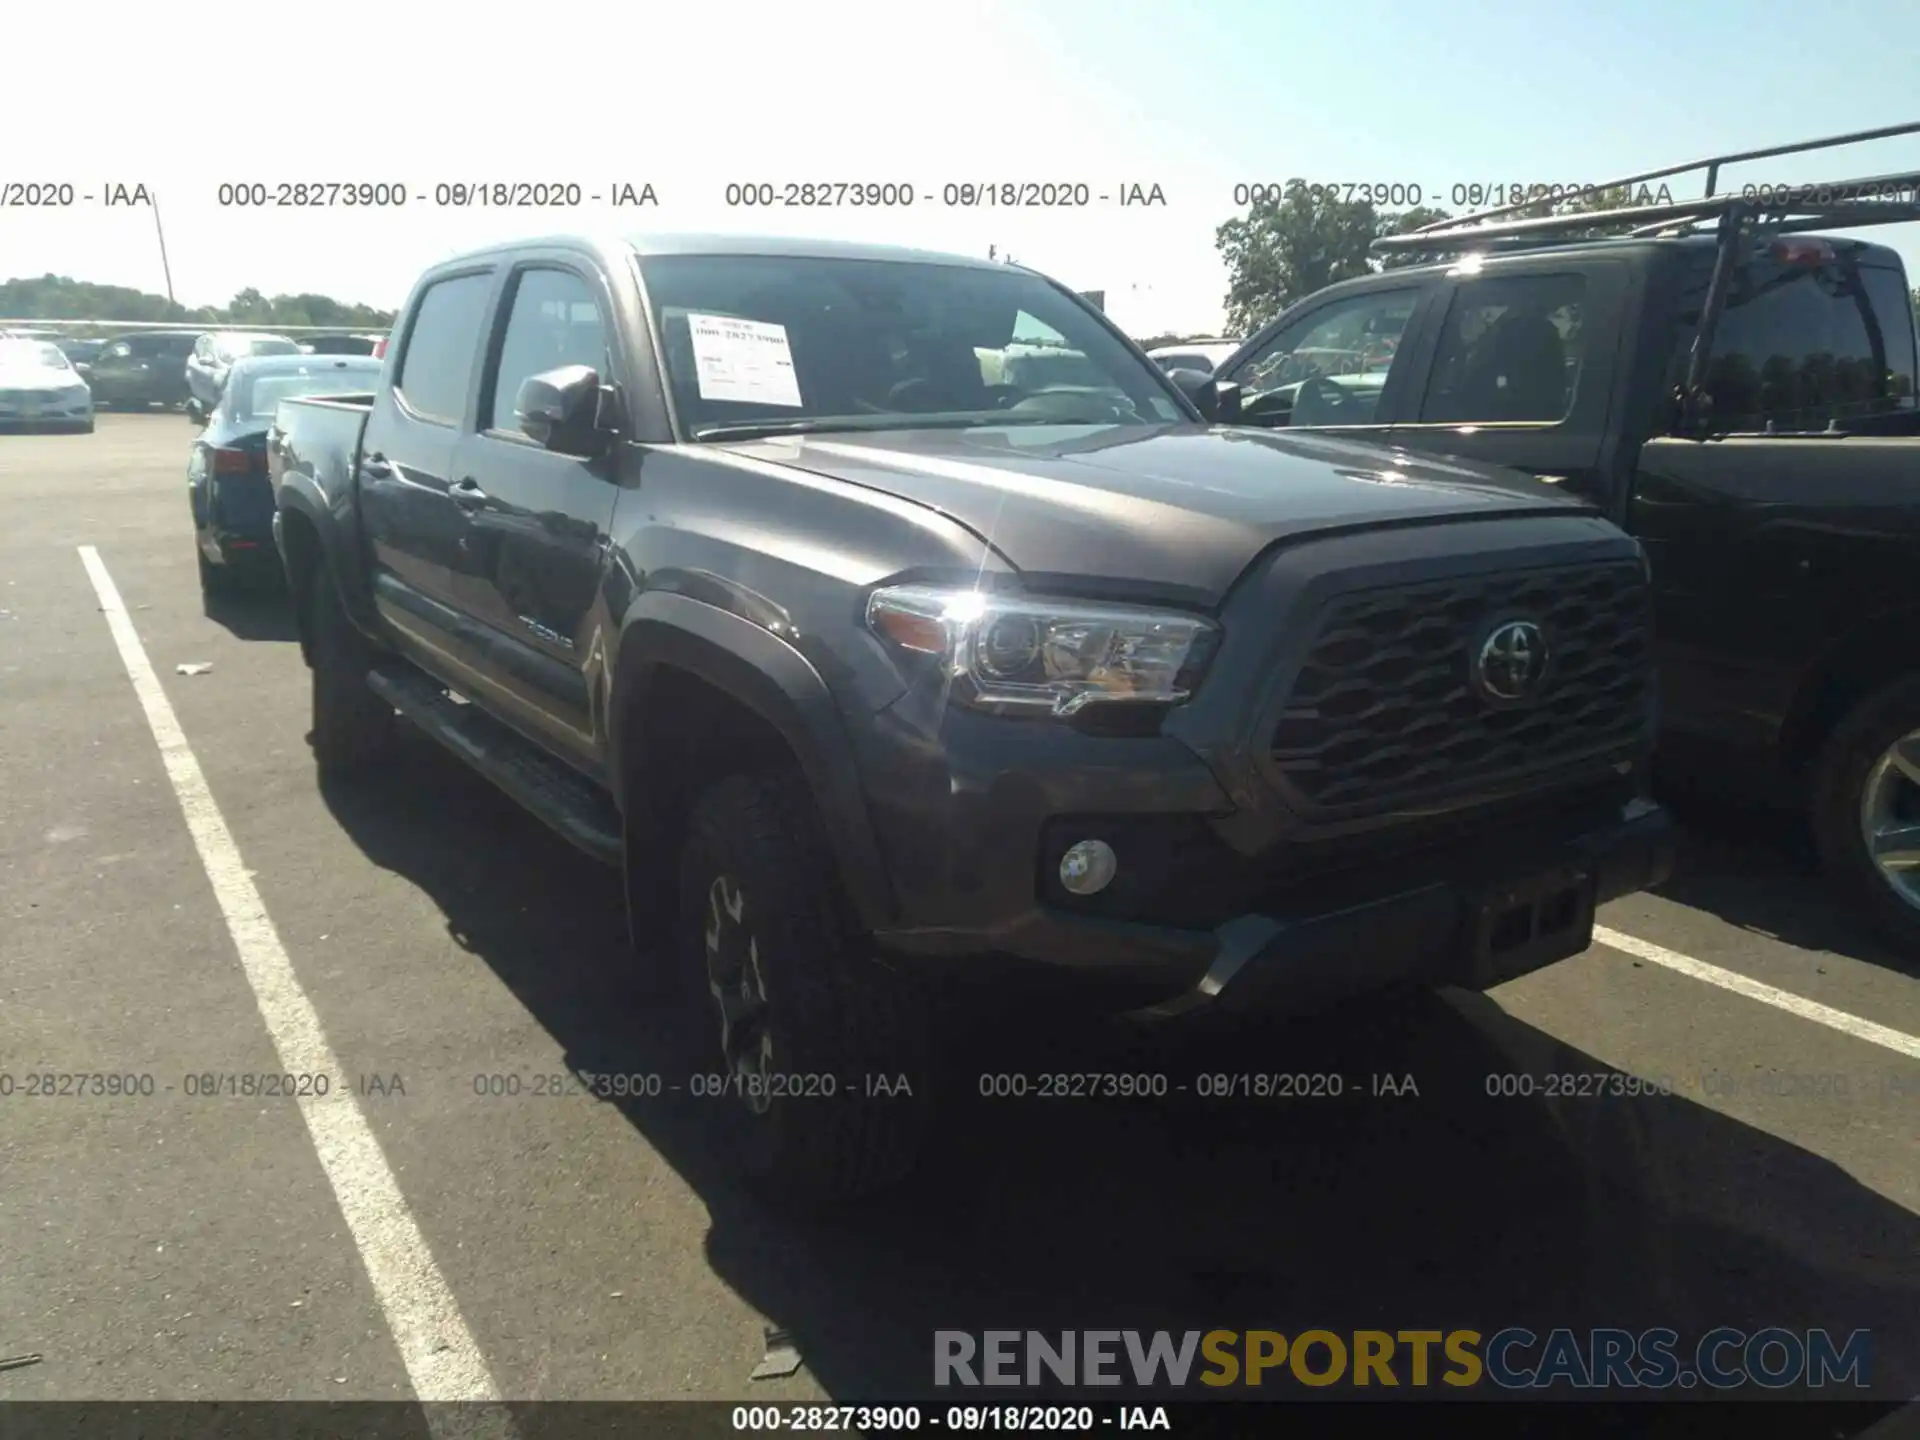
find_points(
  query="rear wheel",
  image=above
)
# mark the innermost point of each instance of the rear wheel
(1866, 810)
(823, 1083)
(352, 726)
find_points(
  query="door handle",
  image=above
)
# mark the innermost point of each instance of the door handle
(375, 466)
(467, 494)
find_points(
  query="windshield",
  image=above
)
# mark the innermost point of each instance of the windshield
(883, 344)
(31, 355)
(255, 397)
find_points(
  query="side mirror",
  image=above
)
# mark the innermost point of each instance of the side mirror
(1217, 400)
(560, 409)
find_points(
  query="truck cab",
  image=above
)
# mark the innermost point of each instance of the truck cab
(1741, 398)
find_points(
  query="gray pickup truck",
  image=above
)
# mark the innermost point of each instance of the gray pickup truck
(742, 565)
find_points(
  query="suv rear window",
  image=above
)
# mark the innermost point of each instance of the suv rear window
(1800, 345)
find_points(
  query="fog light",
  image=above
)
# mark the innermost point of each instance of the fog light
(1088, 867)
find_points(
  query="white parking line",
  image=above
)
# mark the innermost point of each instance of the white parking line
(1882, 1035)
(442, 1360)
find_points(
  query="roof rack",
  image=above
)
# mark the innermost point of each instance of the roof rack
(1790, 204)
(1737, 218)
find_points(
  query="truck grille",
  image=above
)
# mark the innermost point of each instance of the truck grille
(1384, 712)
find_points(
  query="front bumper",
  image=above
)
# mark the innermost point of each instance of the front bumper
(1444, 911)
(60, 415)
(1445, 932)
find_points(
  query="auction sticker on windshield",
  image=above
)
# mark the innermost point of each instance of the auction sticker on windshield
(747, 361)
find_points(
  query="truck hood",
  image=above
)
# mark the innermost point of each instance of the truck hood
(1178, 509)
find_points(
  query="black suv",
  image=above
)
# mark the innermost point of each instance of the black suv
(745, 566)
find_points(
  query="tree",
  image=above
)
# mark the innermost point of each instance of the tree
(1399, 225)
(56, 297)
(1285, 248)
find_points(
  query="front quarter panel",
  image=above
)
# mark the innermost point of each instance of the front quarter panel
(755, 577)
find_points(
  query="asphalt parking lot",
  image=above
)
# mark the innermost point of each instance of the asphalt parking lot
(174, 1245)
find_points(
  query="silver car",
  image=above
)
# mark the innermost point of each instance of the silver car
(214, 354)
(39, 387)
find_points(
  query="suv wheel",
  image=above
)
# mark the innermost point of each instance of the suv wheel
(1866, 799)
(352, 726)
(823, 1083)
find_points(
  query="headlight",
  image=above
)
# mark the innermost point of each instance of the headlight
(1055, 654)
(78, 393)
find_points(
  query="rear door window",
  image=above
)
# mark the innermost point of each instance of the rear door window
(438, 365)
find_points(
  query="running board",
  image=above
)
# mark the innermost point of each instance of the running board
(570, 804)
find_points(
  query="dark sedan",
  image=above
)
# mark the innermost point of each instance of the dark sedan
(227, 475)
(339, 344)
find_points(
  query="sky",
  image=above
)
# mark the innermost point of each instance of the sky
(1193, 98)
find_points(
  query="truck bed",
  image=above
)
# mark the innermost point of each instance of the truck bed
(316, 442)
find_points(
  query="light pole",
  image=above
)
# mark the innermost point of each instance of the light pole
(165, 267)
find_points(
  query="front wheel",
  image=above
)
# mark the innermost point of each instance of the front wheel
(1866, 810)
(822, 1084)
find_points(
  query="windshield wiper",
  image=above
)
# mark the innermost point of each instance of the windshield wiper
(760, 429)
(755, 429)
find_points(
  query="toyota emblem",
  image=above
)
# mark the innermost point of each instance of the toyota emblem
(1512, 662)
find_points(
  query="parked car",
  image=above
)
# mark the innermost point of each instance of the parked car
(1775, 484)
(215, 353)
(142, 369)
(81, 353)
(867, 673)
(231, 501)
(1200, 355)
(40, 388)
(339, 344)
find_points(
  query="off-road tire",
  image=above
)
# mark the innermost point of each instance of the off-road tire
(1839, 777)
(352, 726)
(834, 1009)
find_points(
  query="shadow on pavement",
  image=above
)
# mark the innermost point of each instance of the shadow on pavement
(1451, 1209)
(1757, 869)
(255, 610)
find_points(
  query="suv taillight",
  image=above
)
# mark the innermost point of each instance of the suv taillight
(238, 462)
(380, 348)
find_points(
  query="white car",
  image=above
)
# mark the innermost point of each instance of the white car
(1202, 355)
(40, 387)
